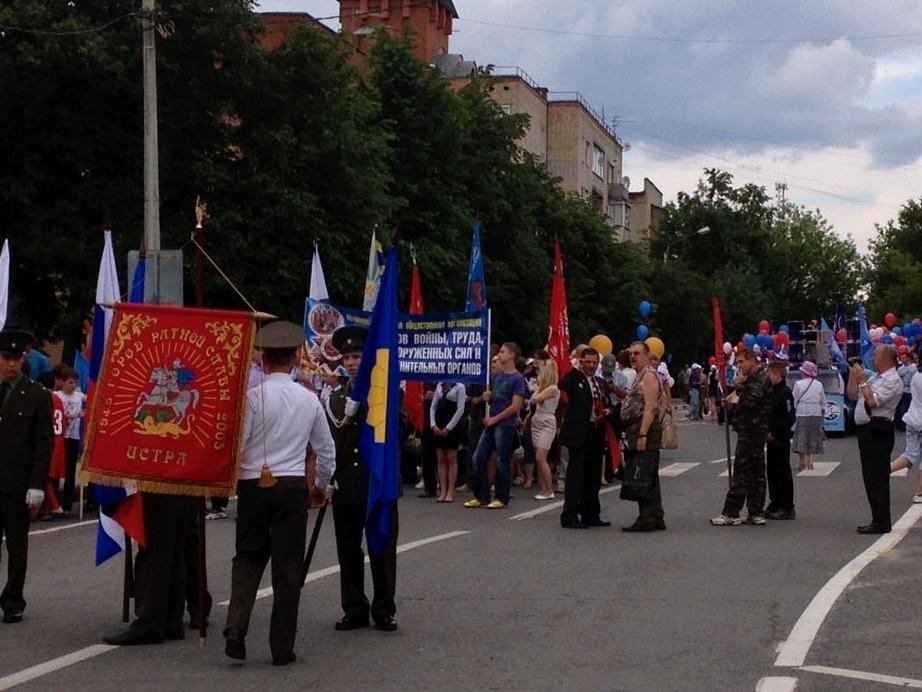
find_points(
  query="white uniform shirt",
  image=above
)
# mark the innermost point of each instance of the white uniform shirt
(887, 388)
(913, 417)
(458, 394)
(281, 419)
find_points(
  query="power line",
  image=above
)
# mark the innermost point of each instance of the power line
(694, 40)
(75, 32)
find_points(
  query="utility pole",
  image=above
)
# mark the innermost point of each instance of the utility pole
(151, 150)
(781, 190)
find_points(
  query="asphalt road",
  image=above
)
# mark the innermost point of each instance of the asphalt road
(494, 600)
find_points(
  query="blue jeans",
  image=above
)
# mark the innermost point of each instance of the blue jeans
(497, 439)
(694, 403)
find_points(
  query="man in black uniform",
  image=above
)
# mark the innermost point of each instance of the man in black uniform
(751, 404)
(778, 459)
(350, 502)
(26, 441)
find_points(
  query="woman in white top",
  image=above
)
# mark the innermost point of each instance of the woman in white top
(810, 409)
(913, 421)
(445, 413)
(544, 424)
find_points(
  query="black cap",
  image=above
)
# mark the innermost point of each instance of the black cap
(13, 342)
(280, 335)
(349, 339)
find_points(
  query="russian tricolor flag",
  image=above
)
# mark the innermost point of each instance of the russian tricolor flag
(120, 509)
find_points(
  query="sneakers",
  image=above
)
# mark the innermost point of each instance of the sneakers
(754, 520)
(496, 504)
(917, 499)
(473, 504)
(462, 489)
(724, 520)
(216, 515)
(549, 496)
(420, 485)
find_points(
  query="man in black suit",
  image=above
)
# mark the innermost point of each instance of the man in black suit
(26, 441)
(581, 433)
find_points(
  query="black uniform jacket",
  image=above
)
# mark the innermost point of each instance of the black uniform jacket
(577, 423)
(26, 438)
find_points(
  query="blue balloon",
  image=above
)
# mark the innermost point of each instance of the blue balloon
(749, 340)
(642, 332)
(897, 330)
(907, 328)
(783, 328)
(886, 339)
(644, 309)
(668, 357)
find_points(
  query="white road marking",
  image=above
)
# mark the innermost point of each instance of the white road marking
(820, 469)
(329, 571)
(530, 514)
(900, 472)
(723, 474)
(63, 528)
(677, 469)
(776, 684)
(722, 460)
(862, 675)
(53, 665)
(795, 649)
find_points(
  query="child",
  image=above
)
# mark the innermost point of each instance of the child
(73, 414)
(780, 482)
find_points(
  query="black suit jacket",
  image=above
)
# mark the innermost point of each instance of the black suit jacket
(26, 438)
(577, 425)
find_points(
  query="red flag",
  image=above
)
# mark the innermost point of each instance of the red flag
(719, 338)
(558, 339)
(414, 400)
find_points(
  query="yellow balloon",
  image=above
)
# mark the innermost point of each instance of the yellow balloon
(602, 344)
(656, 346)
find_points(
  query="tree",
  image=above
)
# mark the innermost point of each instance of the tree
(894, 271)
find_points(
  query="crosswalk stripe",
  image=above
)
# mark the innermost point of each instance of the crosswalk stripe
(820, 469)
(901, 472)
(677, 469)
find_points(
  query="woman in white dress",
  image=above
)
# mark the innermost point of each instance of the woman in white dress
(544, 424)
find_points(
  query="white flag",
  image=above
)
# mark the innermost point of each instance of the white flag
(107, 291)
(4, 281)
(318, 290)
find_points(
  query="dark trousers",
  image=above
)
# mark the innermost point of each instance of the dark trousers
(584, 478)
(71, 448)
(271, 523)
(160, 567)
(14, 527)
(780, 480)
(474, 431)
(875, 444)
(429, 461)
(650, 511)
(748, 477)
(218, 504)
(349, 522)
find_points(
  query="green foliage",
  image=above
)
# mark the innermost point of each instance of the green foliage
(894, 272)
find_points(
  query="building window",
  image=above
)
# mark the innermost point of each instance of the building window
(613, 174)
(506, 108)
(587, 155)
(598, 162)
(619, 214)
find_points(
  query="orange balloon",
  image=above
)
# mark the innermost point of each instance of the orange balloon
(602, 344)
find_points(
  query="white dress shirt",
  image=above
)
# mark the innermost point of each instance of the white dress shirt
(913, 417)
(281, 419)
(887, 388)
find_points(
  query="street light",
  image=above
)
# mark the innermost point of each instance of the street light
(704, 230)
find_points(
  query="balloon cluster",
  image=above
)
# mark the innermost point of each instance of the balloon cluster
(654, 343)
(906, 338)
(765, 341)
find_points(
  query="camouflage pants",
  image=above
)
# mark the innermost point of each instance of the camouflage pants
(748, 477)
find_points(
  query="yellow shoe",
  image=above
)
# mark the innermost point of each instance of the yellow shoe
(473, 504)
(496, 504)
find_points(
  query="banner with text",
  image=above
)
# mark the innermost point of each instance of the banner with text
(432, 347)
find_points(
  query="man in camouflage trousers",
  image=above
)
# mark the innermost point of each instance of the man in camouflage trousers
(752, 402)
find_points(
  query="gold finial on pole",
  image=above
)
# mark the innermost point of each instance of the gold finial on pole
(201, 211)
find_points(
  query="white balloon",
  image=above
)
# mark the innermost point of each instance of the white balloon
(728, 347)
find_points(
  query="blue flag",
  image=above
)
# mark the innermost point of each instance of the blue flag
(378, 385)
(136, 291)
(476, 284)
(867, 346)
(834, 351)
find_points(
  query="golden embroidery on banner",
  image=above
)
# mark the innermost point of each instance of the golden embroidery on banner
(230, 336)
(128, 326)
(151, 426)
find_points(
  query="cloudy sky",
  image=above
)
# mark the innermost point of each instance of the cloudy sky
(823, 95)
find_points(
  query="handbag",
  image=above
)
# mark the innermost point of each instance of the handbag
(670, 433)
(640, 469)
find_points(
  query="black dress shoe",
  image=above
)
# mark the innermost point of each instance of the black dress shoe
(874, 529)
(386, 624)
(284, 660)
(781, 515)
(596, 522)
(235, 645)
(133, 637)
(643, 527)
(351, 622)
(13, 615)
(574, 524)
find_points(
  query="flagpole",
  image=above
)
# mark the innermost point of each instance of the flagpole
(128, 590)
(199, 234)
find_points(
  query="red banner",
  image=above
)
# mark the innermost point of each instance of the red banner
(169, 400)
(719, 339)
(415, 408)
(558, 339)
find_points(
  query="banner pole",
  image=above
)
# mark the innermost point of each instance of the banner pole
(202, 575)
(128, 586)
(489, 346)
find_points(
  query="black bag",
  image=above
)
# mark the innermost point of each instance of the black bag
(640, 469)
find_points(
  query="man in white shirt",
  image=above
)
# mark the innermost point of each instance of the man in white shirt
(282, 418)
(877, 399)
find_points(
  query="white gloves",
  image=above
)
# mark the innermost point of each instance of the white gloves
(352, 407)
(34, 498)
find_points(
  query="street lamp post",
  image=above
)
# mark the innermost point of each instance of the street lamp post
(704, 230)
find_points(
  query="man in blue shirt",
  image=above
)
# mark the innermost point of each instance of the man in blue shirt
(505, 397)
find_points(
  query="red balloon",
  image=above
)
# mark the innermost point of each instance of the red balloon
(712, 360)
(889, 319)
(899, 340)
(763, 332)
(903, 349)
(842, 336)
(764, 326)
